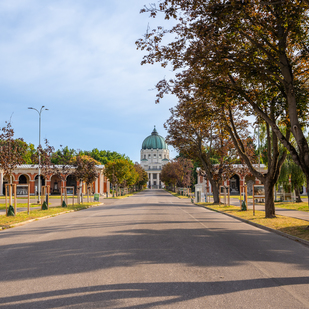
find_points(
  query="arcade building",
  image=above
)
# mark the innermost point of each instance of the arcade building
(27, 174)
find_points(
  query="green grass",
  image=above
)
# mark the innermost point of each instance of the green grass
(288, 225)
(6, 222)
(2, 206)
(110, 196)
(303, 206)
(119, 196)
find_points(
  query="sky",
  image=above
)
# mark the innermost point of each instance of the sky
(78, 58)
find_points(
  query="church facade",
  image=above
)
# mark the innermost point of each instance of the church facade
(154, 154)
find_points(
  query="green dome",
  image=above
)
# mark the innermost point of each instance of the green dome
(154, 141)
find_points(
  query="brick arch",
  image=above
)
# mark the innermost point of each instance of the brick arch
(27, 176)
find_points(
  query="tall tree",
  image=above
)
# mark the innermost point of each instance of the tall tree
(253, 51)
(12, 152)
(196, 130)
(85, 169)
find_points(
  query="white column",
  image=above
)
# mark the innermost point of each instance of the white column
(96, 186)
(102, 184)
(1, 183)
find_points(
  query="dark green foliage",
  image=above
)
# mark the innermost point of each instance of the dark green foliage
(64, 204)
(104, 156)
(63, 155)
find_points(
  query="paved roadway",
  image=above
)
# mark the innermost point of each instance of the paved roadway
(152, 250)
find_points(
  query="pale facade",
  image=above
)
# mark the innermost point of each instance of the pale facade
(154, 154)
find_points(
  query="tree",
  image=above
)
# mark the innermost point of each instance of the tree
(185, 167)
(142, 175)
(119, 172)
(196, 130)
(291, 177)
(12, 152)
(170, 175)
(46, 166)
(63, 155)
(178, 172)
(63, 160)
(254, 52)
(85, 169)
(104, 156)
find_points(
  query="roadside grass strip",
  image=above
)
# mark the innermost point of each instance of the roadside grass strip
(303, 206)
(178, 195)
(119, 196)
(123, 196)
(2, 206)
(23, 217)
(287, 225)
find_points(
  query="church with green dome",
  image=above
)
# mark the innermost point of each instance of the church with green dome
(154, 154)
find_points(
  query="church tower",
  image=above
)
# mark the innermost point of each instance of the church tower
(154, 154)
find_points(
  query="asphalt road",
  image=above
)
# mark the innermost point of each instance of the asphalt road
(152, 250)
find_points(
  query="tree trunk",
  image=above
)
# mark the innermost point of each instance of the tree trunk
(297, 193)
(269, 200)
(215, 192)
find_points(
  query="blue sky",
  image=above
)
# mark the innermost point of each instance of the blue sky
(79, 59)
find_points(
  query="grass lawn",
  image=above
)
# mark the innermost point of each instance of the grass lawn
(119, 196)
(5, 221)
(291, 226)
(178, 195)
(2, 206)
(303, 206)
(123, 196)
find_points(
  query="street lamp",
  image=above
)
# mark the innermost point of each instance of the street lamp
(39, 176)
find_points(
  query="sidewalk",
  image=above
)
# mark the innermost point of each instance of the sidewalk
(303, 215)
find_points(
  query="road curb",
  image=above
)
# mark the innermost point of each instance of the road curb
(46, 217)
(302, 241)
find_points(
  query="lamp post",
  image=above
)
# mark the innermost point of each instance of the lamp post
(39, 175)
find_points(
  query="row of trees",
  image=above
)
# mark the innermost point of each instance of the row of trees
(235, 59)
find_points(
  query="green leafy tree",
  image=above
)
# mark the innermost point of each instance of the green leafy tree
(142, 175)
(253, 53)
(63, 155)
(119, 172)
(63, 159)
(85, 169)
(104, 156)
(291, 177)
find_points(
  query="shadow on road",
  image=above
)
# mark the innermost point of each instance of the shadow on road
(114, 295)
